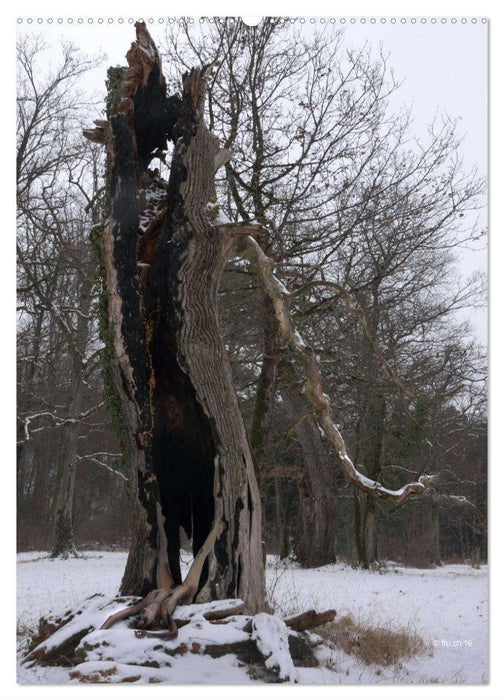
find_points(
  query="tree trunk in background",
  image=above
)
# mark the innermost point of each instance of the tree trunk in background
(370, 433)
(26, 375)
(63, 536)
(423, 548)
(63, 542)
(25, 379)
(370, 437)
(283, 544)
(262, 418)
(370, 532)
(315, 544)
(190, 462)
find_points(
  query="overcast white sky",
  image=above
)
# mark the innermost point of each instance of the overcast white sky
(442, 67)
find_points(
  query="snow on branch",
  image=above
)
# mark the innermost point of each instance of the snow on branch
(262, 266)
(430, 481)
(57, 421)
(457, 500)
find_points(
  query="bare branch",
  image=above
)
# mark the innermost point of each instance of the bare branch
(358, 311)
(93, 458)
(57, 420)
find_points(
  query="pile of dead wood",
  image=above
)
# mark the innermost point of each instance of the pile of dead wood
(269, 647)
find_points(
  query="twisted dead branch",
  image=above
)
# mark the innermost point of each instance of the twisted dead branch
(262, 266)
(161, 602)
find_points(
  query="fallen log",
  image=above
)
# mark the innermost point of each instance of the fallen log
(215, 610)
(309, 619)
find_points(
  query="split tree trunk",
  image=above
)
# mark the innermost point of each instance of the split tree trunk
(190, 462)
(191, 465)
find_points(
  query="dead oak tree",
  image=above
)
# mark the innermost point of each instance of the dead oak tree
(189, 456)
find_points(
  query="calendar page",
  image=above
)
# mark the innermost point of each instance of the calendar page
(252, 350)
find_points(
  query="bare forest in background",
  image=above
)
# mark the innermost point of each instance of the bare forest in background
(364, 218)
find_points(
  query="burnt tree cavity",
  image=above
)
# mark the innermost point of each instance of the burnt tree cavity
(154, 118)
(189, 460)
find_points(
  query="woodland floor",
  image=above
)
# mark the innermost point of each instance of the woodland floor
(447, 607)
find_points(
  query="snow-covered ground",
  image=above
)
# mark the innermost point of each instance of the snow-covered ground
(447, 607)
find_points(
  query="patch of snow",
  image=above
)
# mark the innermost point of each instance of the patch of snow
(445, 605)
(222, 218)
(46, 586)
(225, 670)
(187, 612)
(297, 336)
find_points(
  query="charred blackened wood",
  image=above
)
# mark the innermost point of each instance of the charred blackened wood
(188, 452)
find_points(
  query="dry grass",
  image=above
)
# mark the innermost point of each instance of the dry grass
(99, 676)
(373, 645)
(103, 675)
(23, 630)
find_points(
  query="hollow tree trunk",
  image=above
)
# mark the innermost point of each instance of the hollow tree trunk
(190, 462)
(315, 544)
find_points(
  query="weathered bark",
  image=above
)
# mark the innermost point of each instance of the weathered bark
(190, 461)
(315, 544)
(189, 452)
